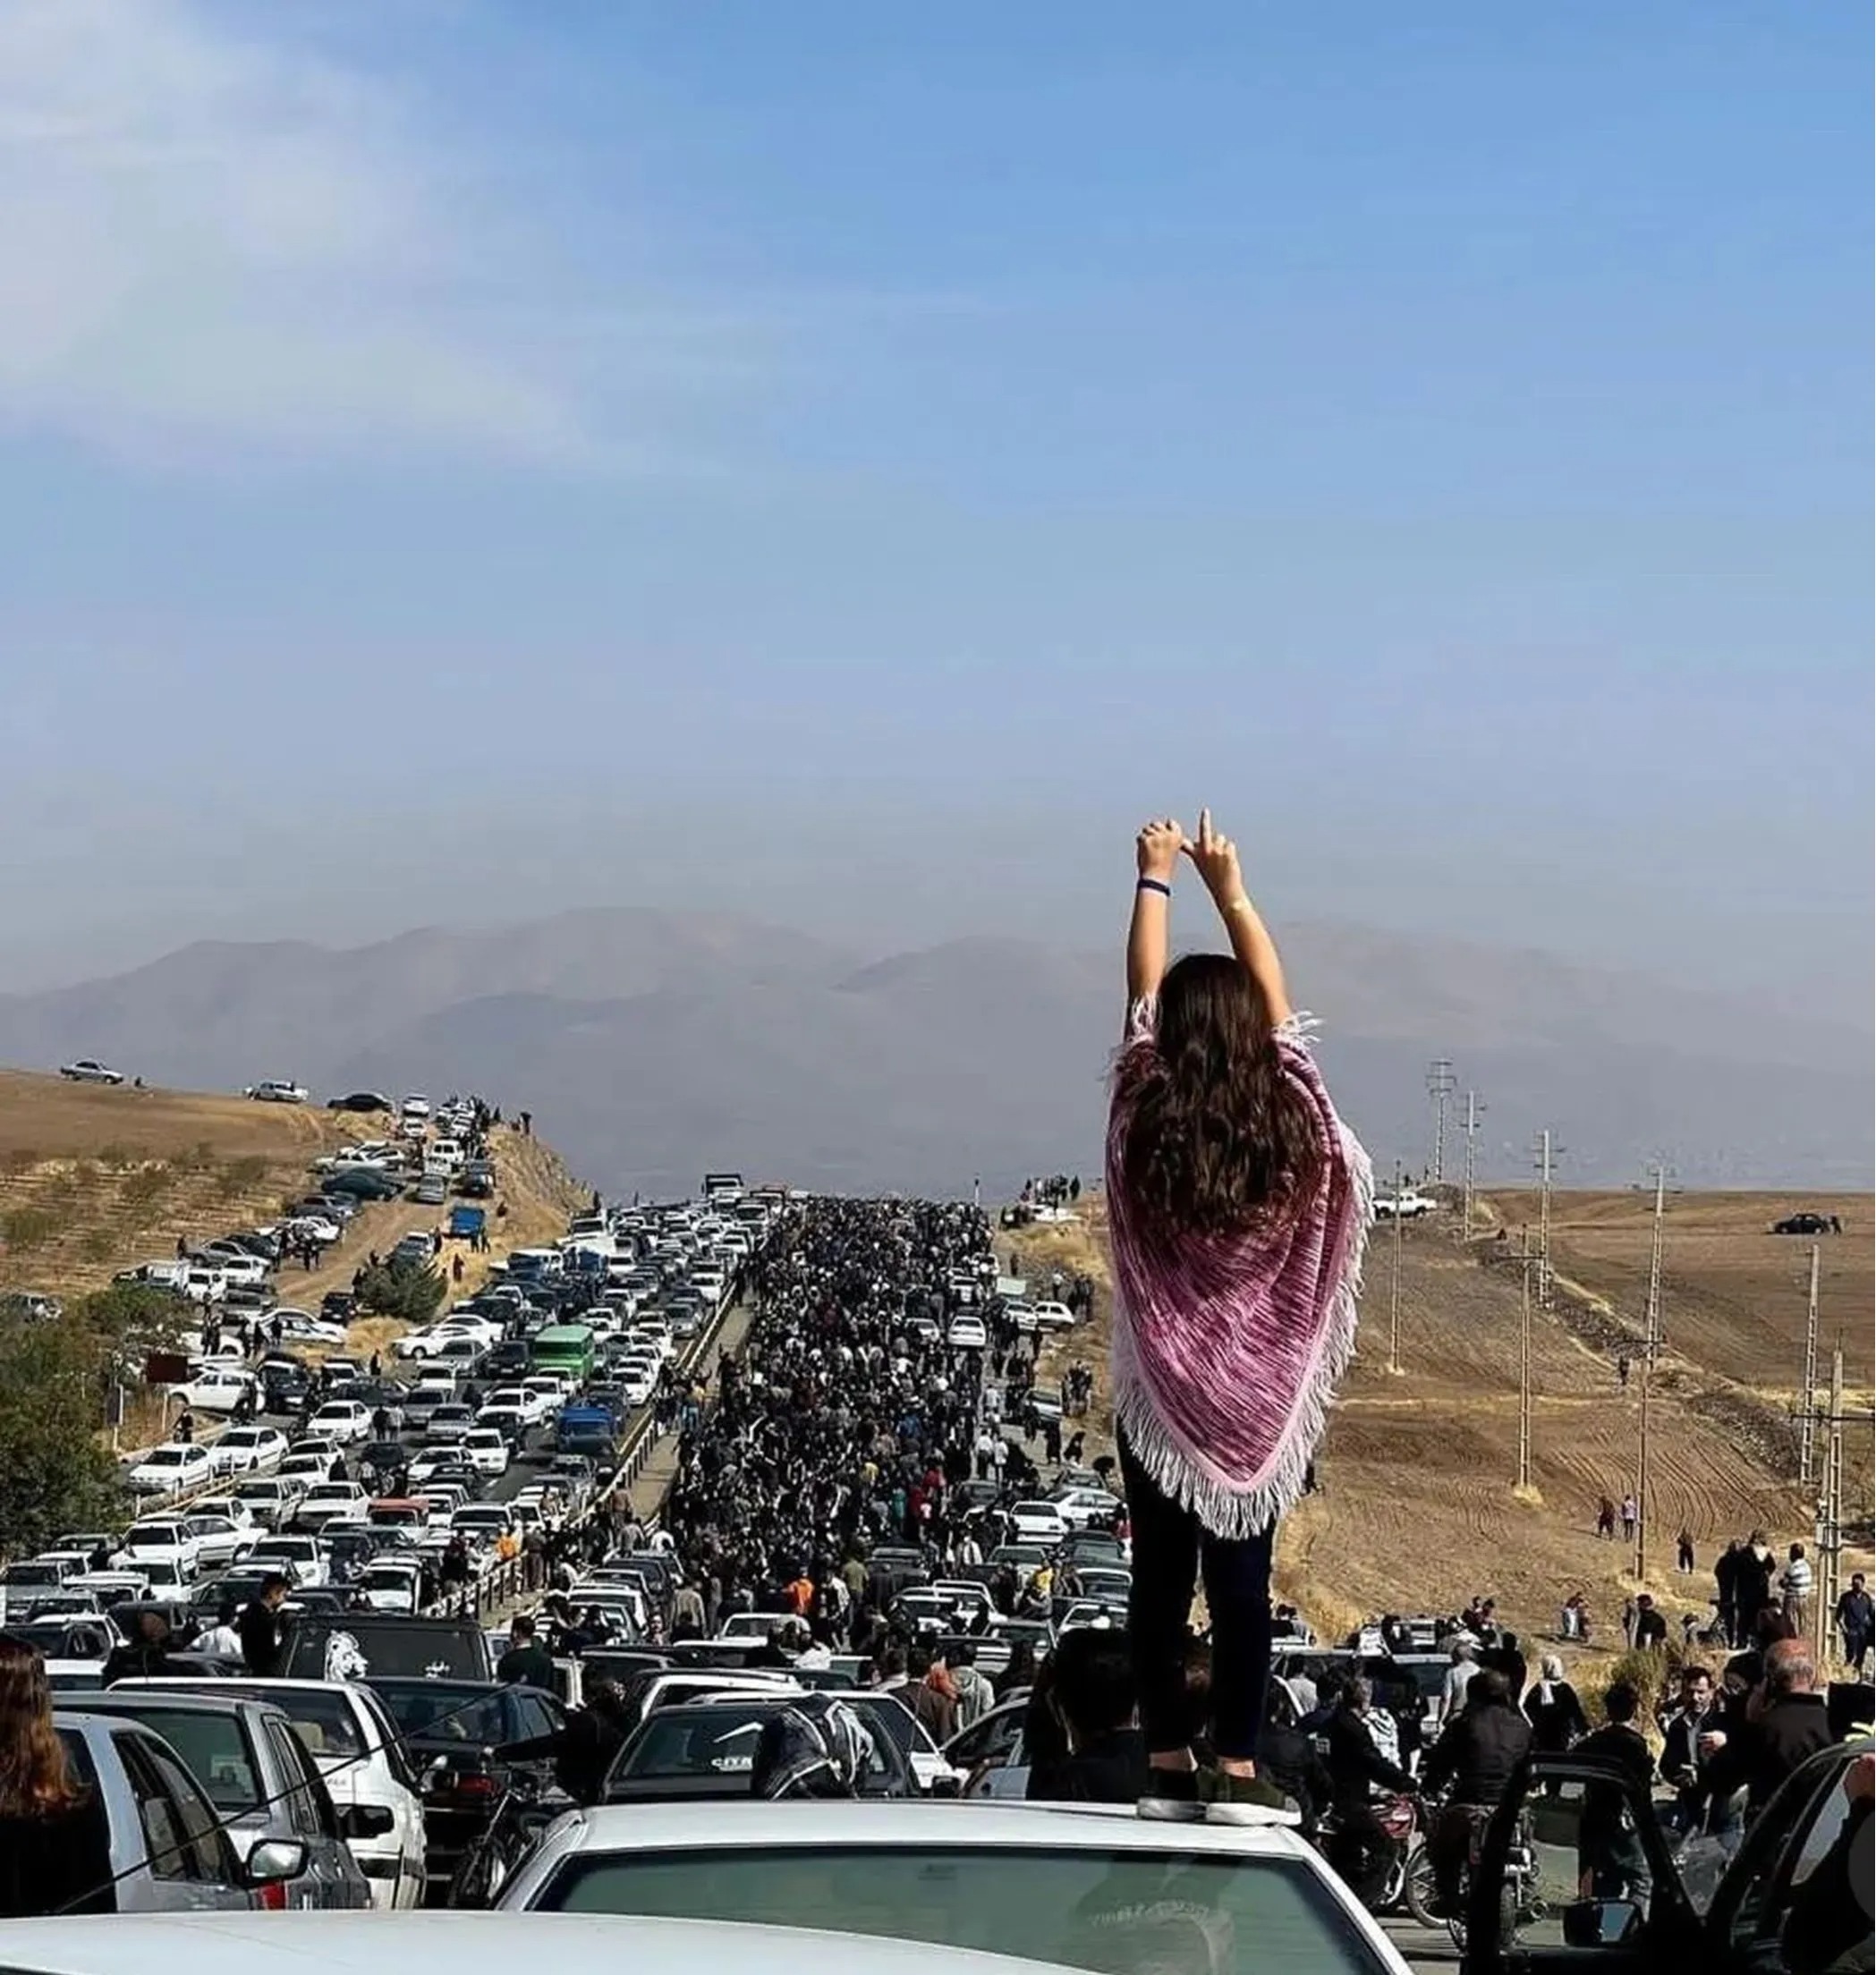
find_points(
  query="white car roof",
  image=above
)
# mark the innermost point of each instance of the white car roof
(445, 1943)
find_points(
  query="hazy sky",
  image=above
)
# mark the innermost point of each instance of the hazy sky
(849, 463)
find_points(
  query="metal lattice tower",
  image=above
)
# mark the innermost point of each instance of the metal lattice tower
(1650, 1345)
(1442, 1083)
(1474, 1110)
(1394, 1281)
(1546, 1155)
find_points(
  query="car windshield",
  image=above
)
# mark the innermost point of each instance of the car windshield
(719, 1741)
(1123, 1910)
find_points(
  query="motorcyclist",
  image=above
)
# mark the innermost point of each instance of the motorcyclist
(1476, 1754)
(1356, 1765)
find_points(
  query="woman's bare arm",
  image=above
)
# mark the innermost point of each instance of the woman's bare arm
(1216, 857)
(1156, 855)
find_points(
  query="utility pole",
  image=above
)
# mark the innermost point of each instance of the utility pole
(1807, 1396)
(1830, 1513)
(1472, 1164)
(1394, 1284)
(1440, 1085)
(1523, 1361)
(1547, 1153)
(1650, 1344)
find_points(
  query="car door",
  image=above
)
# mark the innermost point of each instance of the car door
(1592, 1830)
(190, 1862)
(332, 1879)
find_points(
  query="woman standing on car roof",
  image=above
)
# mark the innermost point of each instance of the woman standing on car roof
(1238, 1208)
(55, 1838)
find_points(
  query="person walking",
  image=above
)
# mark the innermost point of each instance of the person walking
(1239, 1211)
(1683, 1550)
(1856, 1622)
(54, 1837)
(1631, 1515)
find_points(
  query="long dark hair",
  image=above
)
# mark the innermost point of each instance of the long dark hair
(1218, 1140)
(35, 1779)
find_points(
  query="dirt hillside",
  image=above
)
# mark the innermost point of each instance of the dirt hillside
(1417, 1507)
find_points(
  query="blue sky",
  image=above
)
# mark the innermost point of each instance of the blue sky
(849, 464)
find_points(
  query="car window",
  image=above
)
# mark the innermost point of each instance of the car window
(215, 1750)
(172, 1843)
(1079, 1908)
(1769, 1847)
(299, 1781)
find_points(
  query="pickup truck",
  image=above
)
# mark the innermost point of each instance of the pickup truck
(1404, 1206)
(466, 1223)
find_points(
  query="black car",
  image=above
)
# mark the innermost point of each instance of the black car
(362, 1101)
(339, 1305)
(394, 1648)
(1809, 1224)
(707, 1748)
(507, 1359)
(284, 1388)
(365, 1184)
(449, 1729)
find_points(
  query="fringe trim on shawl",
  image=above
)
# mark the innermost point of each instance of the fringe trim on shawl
(1237, 1514)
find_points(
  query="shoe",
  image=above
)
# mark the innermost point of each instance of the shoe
(1228, 1799)
(1172, 1797)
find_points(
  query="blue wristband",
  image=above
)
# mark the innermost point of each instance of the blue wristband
(1153, 884)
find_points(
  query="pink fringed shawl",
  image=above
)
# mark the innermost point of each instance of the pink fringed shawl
(1227, 1353)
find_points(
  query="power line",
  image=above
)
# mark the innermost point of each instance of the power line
(1523, 1360)
(1650, 1345)
(1807, 1396)
(1394, 1284)
(1442, 1083)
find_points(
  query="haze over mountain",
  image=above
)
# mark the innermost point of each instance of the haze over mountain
(652, 1045)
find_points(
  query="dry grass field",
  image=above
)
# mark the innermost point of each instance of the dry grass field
(1418, 1507)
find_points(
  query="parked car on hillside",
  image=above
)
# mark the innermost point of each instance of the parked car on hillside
(362, 1101)
(170, 1470)
(276, 1091)
(1809, 1223)
(1404, 1206)
(89, 1070)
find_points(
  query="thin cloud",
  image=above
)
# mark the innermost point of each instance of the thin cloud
(216, 246)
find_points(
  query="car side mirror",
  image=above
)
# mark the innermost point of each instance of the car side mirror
(1600, 1923)
(275, 1859)
(366, 1821)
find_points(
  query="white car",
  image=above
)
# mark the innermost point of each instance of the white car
(300, 1326)
(1087, 1508)
(215, 1388)
(276, 1091)
(238, 1514)
(220, 1542)
(638, 1382)
(331, 1502)
(204, 1285)
(390, 1584)
(1038, 1523)
(304, 1468)
(147, 1544)
(343, 1420)
(449, 1425)
(534, 1406)
(1052, 1316)
(1082, 1885)
(242, 1449)
(270, 1502)
(89, 1070)
(1407, 1205)
(300, 1558)
(507, 1418)
(172, 1469)
(486, 1449)
(967, 1333)
(415, 1106)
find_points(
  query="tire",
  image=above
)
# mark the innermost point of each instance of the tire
(1418, 1888)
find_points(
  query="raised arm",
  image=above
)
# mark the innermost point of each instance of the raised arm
(1156, 854)
(1216, 857)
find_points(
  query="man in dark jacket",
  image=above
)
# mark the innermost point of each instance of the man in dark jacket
(1683, 1761)
(1856, 1621)
(527, 1662)
(259, 1626)
(1786, 1722)
(1752, 1582)
(1610, 1860)
(1477, 1753)
(1090, 1691)
(1356, 1765)
(146, 1655)
(584, 1748)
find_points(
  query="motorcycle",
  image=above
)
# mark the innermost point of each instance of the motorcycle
(1379, 1863)
(1519, 1902)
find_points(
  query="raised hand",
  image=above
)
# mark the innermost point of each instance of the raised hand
(1215, 856)
(1157, 848)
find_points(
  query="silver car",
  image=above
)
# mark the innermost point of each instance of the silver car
(256, 1773)
(168, 1854)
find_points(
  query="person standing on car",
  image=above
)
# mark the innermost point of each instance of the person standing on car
(1476, 1754)
(54, 1835)
(260, 1628)
(1237, 1223)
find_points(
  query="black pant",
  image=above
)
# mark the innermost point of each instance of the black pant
(1169, 1549)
